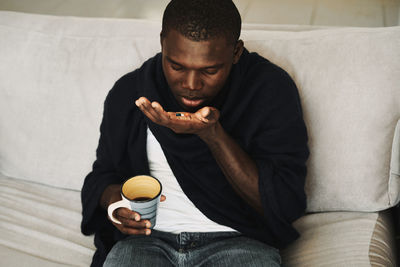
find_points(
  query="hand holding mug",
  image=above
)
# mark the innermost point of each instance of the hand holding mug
(136, 212)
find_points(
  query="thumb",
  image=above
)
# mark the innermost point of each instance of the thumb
(205, 112)
(209, 114)
(212, 114)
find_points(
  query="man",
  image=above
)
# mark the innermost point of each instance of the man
(222, 129)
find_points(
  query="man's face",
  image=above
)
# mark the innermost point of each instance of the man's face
(197, 71)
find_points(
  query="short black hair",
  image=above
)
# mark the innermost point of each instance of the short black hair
(201, 20)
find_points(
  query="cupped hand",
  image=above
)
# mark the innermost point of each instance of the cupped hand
(180, 122)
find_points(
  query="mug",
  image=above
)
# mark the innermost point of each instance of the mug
(140, 194)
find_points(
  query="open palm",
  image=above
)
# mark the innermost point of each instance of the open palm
(179, 122)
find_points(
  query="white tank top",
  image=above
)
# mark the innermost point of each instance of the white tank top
(177, 213)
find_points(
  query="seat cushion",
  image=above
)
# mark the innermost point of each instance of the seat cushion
(41, 225)
(343, 239)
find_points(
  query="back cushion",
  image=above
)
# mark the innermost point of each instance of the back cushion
(56, 71)
(349, 83)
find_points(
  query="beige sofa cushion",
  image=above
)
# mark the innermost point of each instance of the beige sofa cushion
(40, 226)
(350, 90)
(342, 239)
(56, 71)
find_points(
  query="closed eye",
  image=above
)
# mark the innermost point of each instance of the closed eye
(210, 71)
(176, 67)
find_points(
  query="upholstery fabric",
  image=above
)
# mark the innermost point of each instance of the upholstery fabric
(342, 239)
(55, 73)
(41, 224)
(11, 257)
(395, 166)
(350, 91)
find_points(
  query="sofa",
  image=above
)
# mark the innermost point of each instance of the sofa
(56, 71)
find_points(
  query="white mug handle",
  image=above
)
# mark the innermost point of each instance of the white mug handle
(119, 204)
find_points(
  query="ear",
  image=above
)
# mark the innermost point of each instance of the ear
(238, 51)
(161, 39)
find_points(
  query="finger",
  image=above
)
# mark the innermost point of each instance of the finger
(211, 114)
(141, 100)
(163, 198)
(141, 103)
(150, 109)
(155, 115)
(149, 112)
(205, 112)
(129, 223)
(133, 231)
(202, 114)
(124, 213)
(160, 111)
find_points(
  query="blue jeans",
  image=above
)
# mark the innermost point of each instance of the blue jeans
(192, 249)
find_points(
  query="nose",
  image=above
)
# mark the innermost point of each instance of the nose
(192, 81)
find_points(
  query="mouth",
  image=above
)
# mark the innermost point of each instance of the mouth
(192, 102)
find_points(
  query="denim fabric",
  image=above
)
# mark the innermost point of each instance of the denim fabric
(192, 249)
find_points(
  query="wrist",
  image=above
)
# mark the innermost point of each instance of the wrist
(212, 134)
